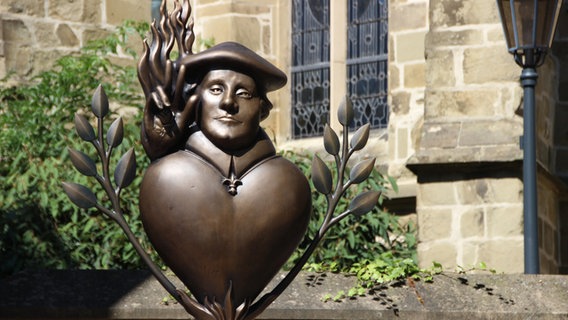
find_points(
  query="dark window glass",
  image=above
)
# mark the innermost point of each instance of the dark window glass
(310, 67)
(367, 61)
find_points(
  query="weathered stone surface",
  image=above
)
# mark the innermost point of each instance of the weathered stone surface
(440, 68)
(503, 254)
(409, 16)
(442, 38)
(410, 46)
(119, 10)
(394, 76)
(45, 35)
(135, 295)
(66, 36)
(440, 135)
(505, 221)
(483, 133)
(27, 7)
(434, 224)
(436, 194)
(489, 64)
(442, 251)
(449, 13)
(415, 75)
(16, 31)
(400, 102)
(18, 58)
(472, 223)
(71, 10)
(461, 104)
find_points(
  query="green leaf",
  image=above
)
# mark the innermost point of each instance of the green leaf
(360, 137)
(345, 112)
(83, 163)
(321, 176)
(84, 128)
(330, 140)
(125, 171)
(364, 202)
(99, 102)
(80, 195)
(362, 170)
(115, 133)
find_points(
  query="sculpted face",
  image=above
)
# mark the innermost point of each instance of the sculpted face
(230, 109)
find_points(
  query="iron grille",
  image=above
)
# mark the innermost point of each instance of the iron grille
(310, 67)
(367, 58)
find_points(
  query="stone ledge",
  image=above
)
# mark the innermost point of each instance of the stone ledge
(136, 295)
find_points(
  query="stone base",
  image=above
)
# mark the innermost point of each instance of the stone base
(137, 295)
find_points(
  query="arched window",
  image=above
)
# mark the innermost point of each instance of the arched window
(366, 60)
(310, 67)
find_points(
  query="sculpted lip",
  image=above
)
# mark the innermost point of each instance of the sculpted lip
(229, 119)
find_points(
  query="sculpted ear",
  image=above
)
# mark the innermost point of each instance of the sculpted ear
(265, 107)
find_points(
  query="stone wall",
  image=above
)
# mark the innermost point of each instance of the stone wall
(469, 202)
(34, 33)
(408, 26)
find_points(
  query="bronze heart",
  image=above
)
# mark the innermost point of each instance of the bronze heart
(212, 239)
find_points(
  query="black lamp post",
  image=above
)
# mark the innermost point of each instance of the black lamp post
(529, 27)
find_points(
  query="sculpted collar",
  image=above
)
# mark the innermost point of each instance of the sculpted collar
(231, 164)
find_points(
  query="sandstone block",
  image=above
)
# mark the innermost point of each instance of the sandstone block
(440, 38)
(15, 30)
(400, 102)
(434, 224)
(461, 104)
(440, 69)
(489, 64)
(393, 76)
(481, 133)
(247, 32)
(71, 10)
(505, 221)
(27, 7)
(435, 194)
(474, 191)
(415, 75)
(18, 58)
(409, 16)
(402, 139)
(66, 36)
(443, 252)
(449, 13)
(440, 135)
(119, 10)
(45, 34)
(503, 255)
(410, 46)
(472, 223)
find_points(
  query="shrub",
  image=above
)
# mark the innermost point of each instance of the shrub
(39, 227)
(355, 239)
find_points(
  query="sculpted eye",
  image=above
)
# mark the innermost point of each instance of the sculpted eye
(216, 89)
(243, 93)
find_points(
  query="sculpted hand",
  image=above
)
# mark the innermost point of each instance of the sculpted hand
(170, 100)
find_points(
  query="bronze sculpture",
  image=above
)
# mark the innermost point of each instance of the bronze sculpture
(226, 199)
(222, 209)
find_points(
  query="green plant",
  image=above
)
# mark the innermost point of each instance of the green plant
(39, 227)
(355, 238)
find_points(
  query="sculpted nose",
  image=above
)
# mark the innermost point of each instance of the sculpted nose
(229, 104)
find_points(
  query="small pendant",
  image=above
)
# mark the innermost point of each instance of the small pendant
(232, 183)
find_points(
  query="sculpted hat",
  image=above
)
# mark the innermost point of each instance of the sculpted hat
(236, 57)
